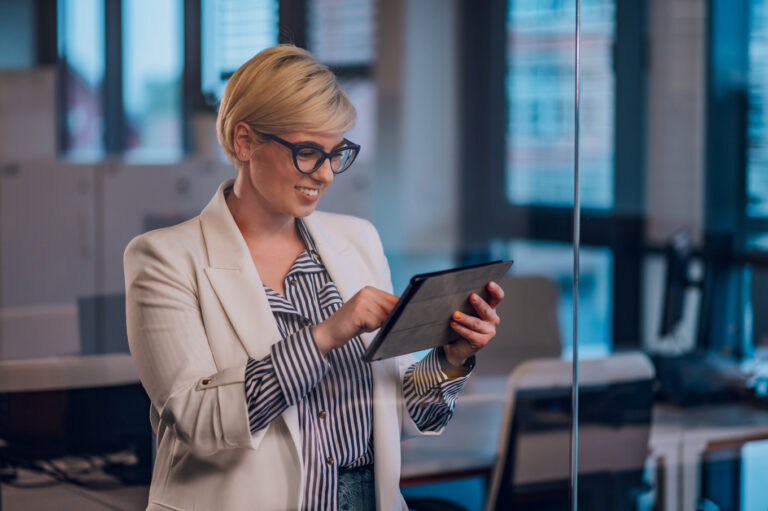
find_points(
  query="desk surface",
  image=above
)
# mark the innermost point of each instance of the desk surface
(470, 439)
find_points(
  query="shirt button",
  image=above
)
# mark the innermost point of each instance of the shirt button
(322, 415)
(206, 381)
(305, 322)
(293, 282)
(329, 460)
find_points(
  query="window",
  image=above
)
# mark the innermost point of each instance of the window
(757, 127)
(153, 59)
(17, 34)
(342, 32)
(540, 95)
(81, 51)
(233, 31)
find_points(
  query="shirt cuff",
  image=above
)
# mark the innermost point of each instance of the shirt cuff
(298, 364)
(452, 371)
(427, 373)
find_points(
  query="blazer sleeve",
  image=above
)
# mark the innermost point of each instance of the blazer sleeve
(205, 406)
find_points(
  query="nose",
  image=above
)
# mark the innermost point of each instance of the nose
(324, 174)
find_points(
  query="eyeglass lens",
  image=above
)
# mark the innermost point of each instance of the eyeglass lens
(309, 159)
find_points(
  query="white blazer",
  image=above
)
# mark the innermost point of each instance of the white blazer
(196, 310)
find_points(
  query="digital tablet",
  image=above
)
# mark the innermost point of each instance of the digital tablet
(421, 318)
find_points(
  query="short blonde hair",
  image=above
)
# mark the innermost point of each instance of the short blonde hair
(282, 89)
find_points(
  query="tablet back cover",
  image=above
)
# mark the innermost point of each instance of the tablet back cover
(421, 319)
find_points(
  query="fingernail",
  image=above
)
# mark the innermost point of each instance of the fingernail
(457, 315)
(474, 297)
(454, 324)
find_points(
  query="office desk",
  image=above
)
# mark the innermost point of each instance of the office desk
(678, 439)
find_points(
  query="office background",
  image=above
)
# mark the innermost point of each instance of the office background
(465, 118)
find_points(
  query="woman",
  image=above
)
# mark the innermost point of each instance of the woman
(247, 322)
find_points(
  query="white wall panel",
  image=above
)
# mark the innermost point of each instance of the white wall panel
(140, 197)
(47, 255)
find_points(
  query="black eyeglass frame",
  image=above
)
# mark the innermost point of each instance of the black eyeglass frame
(295, 148)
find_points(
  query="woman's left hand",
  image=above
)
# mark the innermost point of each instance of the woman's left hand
(475, 331)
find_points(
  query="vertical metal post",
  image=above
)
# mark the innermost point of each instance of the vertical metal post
(576, 242)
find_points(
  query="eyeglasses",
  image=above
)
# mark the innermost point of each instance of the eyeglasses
(308, 157)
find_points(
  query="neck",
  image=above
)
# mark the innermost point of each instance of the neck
(255, 221)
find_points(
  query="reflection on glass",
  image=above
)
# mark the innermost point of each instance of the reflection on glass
(555, 260)
(540, 71)
(342, 32)
(233, 31)
(81, 48)
(153, 58)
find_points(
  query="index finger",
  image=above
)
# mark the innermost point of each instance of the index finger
(384, 295)
(497, 294)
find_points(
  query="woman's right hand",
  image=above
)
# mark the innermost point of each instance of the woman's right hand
(364, 312)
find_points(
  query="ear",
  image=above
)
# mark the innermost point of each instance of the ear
(243, 142)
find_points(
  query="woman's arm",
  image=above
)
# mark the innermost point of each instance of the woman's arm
(430, 389)
(282, 378)
(205, 406)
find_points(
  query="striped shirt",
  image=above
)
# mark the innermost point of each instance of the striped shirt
(333, 394)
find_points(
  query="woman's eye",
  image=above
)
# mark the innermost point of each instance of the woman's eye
(307, 154)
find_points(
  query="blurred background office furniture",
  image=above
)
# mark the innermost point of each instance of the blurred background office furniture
(533, 463)
(530, 455)
(688, 445)
(91, 408)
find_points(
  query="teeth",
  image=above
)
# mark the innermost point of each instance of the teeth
(309, 191)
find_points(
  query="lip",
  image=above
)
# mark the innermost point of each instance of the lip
(308, 198)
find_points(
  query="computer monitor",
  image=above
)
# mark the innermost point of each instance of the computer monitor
(676, 282)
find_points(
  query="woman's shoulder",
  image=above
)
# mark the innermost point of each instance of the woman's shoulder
(182, 239)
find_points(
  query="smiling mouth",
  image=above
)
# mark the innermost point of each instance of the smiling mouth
(312, 192)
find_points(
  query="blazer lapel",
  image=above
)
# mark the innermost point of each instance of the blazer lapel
(237, 284)
(235, 280)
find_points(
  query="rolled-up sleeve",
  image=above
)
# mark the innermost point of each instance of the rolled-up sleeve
(282, 378)
(205, 405)
(430, 393)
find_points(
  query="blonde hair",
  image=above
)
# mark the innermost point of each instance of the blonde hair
(282, 89)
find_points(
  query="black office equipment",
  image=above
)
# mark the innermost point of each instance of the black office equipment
(676, 282)
(75, 406)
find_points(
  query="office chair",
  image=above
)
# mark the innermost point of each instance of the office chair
(532, 469)
(615, 404)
